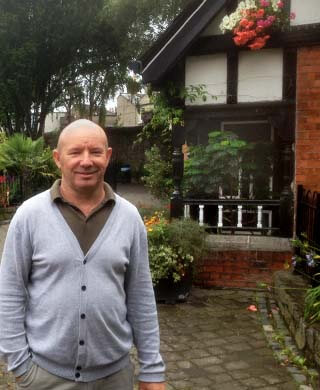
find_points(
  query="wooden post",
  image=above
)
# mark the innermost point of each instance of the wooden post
(286, 196)
(317, 221)
(176, 205)
(299, 210)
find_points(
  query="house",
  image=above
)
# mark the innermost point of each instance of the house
(131, 109)
(271, 94)
(57, 120)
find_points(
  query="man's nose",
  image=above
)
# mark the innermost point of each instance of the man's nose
(86, 160)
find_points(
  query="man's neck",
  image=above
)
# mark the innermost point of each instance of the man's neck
(86, 200)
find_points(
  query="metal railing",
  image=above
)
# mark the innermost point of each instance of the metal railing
(235, 216)
(308, 215)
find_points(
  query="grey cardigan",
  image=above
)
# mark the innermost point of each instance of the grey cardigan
(63, 309)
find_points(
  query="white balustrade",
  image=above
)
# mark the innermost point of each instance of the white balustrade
(239, 223)
(220, 215)
(186, 211)
(201, 214)
(259, 220)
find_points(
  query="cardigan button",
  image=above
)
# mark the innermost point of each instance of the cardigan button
(84, 261)
(78, 368)
(81, 342)
(83, 316)
(83, 288)
(77, 375)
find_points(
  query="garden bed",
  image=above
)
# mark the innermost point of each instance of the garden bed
(290, 291)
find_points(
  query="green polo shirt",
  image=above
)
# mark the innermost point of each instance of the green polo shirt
(85, 228)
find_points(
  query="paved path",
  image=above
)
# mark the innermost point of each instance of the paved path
(212, 342)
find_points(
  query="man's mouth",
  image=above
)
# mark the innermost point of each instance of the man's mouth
(86, 173)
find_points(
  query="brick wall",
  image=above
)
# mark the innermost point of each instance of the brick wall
(240, 268)
(308, 118)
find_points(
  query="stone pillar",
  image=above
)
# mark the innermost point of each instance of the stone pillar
(176, 204)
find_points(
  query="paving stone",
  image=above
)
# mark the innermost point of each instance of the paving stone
(301, 379)
(201, 381)
(272, 380)
(184, 364)
(255, 383)
(218, 369)
(238, 347)
(237, 366)
(229, 386)
(207, 361)
(240, 374)
(221, 378)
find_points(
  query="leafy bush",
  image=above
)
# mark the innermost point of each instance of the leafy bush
(312, 305)
(167, 112)
(215, 165)
(229, 163)
(173, 246)
(158, 176)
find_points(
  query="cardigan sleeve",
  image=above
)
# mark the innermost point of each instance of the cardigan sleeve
(14, 270)
(142, 310)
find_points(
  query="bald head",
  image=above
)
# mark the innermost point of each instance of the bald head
(82, 156)
(80, 127)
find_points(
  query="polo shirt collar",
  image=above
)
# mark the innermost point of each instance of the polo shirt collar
(56, 194)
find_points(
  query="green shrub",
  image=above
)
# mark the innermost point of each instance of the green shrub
(220, 164)
(158, 176)
(173, 246)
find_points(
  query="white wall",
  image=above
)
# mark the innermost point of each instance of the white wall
(211, 71)
(52, 122)
(260, 75)
(307, 11)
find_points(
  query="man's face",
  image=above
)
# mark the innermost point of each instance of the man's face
(83, 157)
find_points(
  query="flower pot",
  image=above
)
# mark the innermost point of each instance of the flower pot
(170, 292)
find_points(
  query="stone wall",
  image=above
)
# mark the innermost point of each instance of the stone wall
(308, 118)
(289, 291)
(242, 261)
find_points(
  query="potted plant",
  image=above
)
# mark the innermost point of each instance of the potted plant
(174, 248)
(254, 20)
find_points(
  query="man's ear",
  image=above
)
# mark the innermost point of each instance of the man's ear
(108, 153)
(56, 158)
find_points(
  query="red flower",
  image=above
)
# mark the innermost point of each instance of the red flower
(243, 37)
(244, 22)
(250, 25)
(259, 42)
(260, 13)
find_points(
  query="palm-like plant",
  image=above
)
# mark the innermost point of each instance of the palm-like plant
(31, 161)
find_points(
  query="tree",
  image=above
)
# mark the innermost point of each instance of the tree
(70, 50)
(40, 40)
(135, 25)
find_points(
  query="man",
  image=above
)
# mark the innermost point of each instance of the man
(75, 286)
